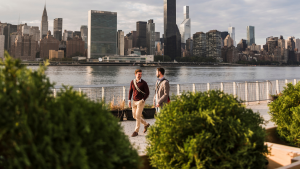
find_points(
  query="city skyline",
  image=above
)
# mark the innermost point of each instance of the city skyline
(239, 15)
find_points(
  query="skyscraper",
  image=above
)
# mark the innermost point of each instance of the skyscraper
(185, 27)
(151, 36)
(141, 29)
(84, 34)
(7, 30)
(250, 35)
(44, 24)
(231, 31)
(2, 42)
(102, 33)
(24, 47)
(171, 31)
(199, 44)
(57, 28)
(120, 42)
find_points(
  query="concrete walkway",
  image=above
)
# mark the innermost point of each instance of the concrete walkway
(140, 144)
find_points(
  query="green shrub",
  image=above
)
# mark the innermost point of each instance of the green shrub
(285, 113)
(207, 130)
(38, 131)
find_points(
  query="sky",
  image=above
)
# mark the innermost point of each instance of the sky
(270, 17)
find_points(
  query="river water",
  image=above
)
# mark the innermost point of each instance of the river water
(122, 75)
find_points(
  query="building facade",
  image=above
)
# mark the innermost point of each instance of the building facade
(102, 28)
(74, 46)
(213, 44)
(53, 54)
(58, 28)
(128, 44)
(120, 44)
(250, 35)
(172, 47)
(141, 29)
(24, 47)
(84, 34)
(199, 44)
(2, 42)
(44, 24)
(67, 35)
(47, 44)
(231, 31)
(228, 42)
(151, 37)
(7, 30)
(185, 27)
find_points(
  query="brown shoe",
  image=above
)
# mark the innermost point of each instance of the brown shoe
(134, 134)
(146, 128)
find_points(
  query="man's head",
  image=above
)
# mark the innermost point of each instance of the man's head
(138, 74)
(160, 72)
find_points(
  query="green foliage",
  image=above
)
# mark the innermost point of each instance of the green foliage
(285, 113)
(162, 58)
(207, 130)
(195, 59)
(38, 131)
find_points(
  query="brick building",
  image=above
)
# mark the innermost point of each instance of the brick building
(75, 45)
(53, 54)
(24, 47)
(48, 43)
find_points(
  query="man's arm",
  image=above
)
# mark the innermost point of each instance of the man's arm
(130, 91)
(146, 90)
(154, 94)
(166, 88)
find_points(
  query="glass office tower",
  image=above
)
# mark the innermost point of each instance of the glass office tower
(250, 35)
(172, 37)
(102, 33)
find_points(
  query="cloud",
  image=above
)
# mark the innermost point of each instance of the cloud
(270, 17)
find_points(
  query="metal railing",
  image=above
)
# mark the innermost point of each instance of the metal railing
(246, 91)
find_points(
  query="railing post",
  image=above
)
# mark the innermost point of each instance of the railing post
(268, 90)
(178, 89)
(79, 90)
(222, 87)
(286, 82)
(103, 93)
(246, 93)
(295, 81)
(194, 88)
(54, 93)
(208, 87)
(277, 87)
(257, 92)
(234, 89)
(124, 93)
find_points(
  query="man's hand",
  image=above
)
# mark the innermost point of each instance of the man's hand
(129, 104)
(157, 105)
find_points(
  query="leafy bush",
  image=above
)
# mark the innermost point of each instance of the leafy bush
(39, 131)
(285, 113)
(207, 130)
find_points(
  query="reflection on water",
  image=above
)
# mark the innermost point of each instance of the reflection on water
(98, 75)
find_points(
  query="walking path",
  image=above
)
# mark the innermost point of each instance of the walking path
(140, 143)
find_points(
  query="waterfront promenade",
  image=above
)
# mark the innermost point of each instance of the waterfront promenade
(140, 143)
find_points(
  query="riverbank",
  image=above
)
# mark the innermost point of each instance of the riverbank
(154, 64)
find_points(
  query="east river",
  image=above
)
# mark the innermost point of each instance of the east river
(122, 75)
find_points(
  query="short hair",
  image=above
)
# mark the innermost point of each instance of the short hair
(161, 70)
(137, 70)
